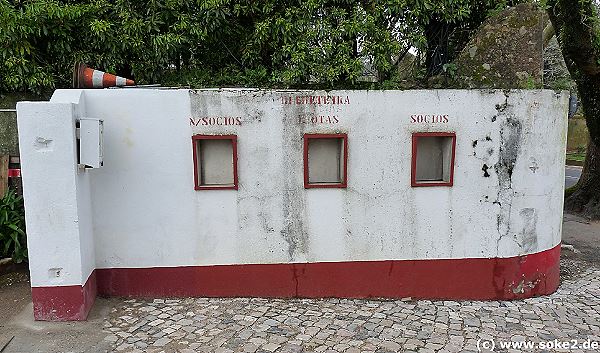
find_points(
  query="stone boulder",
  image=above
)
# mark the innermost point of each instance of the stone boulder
(506, 51)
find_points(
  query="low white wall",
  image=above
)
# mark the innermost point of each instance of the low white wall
(506, 199)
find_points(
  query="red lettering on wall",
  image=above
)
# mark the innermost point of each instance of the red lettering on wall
(216, 120)
(315, 100)
(429, 119)
(318, 119)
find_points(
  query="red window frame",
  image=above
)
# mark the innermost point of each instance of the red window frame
(413, 168)
(344, 183)
(233, 139)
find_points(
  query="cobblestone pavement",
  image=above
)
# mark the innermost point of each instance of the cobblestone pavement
(342, 325)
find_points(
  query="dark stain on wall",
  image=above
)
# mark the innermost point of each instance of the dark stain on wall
(485, 171)
(511, 132)
(510, 137)
(294, 230)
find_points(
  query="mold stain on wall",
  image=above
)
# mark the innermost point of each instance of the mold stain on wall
(294, 230)
(510, 146)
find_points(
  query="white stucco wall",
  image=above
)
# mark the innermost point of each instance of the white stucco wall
(57, 195)
(146, 213)
(82, 182)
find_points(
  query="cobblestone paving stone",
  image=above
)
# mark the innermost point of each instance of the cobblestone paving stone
(354, 326)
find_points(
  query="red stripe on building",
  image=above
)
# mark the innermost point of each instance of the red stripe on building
(474, 279)
(64, 303)
(479, 279)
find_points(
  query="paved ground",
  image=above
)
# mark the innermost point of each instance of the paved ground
(23, 335)
(584, 236)
(569, 317)
(332, 325)
(572, 174)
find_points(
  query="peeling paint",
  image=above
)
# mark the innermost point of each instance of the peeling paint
(524, 286)
(43, 144)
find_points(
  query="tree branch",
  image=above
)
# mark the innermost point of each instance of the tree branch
(575, 22)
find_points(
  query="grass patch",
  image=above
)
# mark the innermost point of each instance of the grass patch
(576, 156)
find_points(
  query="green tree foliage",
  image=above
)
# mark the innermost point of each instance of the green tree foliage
(268, 43)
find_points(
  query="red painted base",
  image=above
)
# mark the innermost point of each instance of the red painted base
(482, 279)
(64, 303)
(478, 279)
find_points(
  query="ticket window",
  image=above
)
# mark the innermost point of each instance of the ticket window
(325, 160)
(433, 159)
(215, 162)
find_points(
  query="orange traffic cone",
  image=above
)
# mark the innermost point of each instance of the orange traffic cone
(84, 77)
